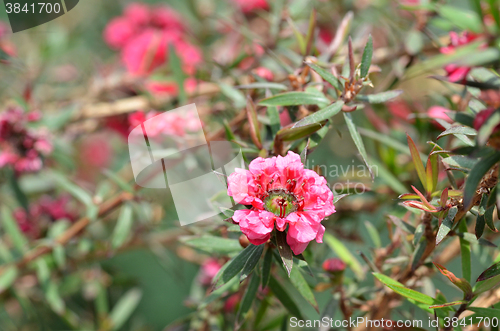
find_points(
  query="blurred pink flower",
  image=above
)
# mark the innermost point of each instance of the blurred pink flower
(482, 117)
(118, 32)
(96, 151)
(166, 124)
(455, 72)
(21, 147)
(248, 6)
(208, 270)
(43, 212)
(143, 35)
(438, 112)
(281, 192)
(137, 13)
(334, 265)
(265, 73)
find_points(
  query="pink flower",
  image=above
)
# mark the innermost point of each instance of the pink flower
(455, 72)
(281, 193)
(438, 112)
(20, 147)
(265, 73)
(118, 32)
(208, 270)
(334, 265)
(166, 124)
(248, 6)
(137, 13)
(166, 18)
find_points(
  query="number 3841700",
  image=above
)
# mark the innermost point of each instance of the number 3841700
(39, 8)
(481, 321)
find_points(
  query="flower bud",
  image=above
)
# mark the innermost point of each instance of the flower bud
(334, 266)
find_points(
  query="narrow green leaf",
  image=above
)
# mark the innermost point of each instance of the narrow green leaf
(366, 59)
(358, 141)
(301, 285)
(274, 119)
(448, 304)
(289, 134)
(266, 267)
(285, 298)
(234, 266)
(124, 308)
(379, 97)
(488, 217)
(252, 262)
(246, 302)
(491, 272)
(12, 230)
(235, 95)
(417, 161)
(457, 129)
(263, 85)
(344, 254)
(480, 225)
(118, 180)
(465, 253)
(123, 226)
(321, 115)
(294, 99)
(8, 277)
(402, 224)
(176, 66)
(326, 75)
(374, 235)
(212, 244)
(486, 285)
(462, 18)
(414, 42)
(447, 224)
(488, 127)
(285, 251)
(475, 176)
(485, 312)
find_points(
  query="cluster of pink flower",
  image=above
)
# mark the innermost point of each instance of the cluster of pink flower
(457, 73)
(43, 212)
(249, 6)
(21, 147)
(281, 192)
(166, 124)
(143, 36)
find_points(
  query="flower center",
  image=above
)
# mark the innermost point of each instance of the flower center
(280, 203)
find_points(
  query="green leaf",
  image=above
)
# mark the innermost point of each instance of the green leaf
(235, 95)
(176, 66)
(462, 18)
(475, 176)
(248, 297)
(251, 263)
(123, 226)
(488, 217)
(263, 85)
(374, 235)
(266, 267)
(118, 180)
(124, 308)
(457, 129)
(414, 42)
(486, 285)
(285, 298)
(234, 266)
(448, 304)
(274, 119)
(366, 59)
(379, 97)
(212, 244)
(289, 134)
(485, 312)
(491, 272)
(295, 99)
(321, 115)
(285, 251)
(358, 141)
(447, 224)
(480, 225)
(301, 285)
(344, 254)
(18, 192)
(326, 75)
(460, 162)
(417, 161)
(8, 277)
(465, 253)
(488, 127)
(12, 230)
(402, 224)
